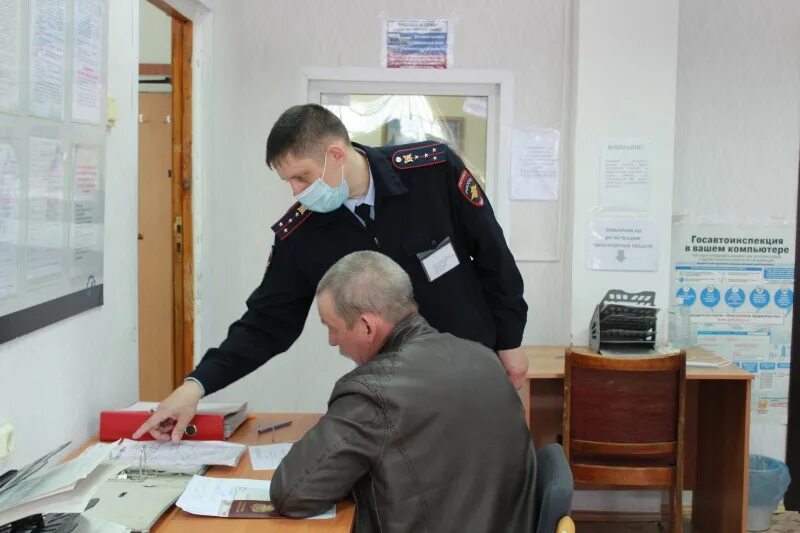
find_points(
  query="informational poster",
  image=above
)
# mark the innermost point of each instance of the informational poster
(9, 219)
(86, 226)
(87, 75)
(10, 37)
(417, 44)
(622, 244)
(48, 58)
(625, 175)
(46, 200)
(733, 293)
(535, 164)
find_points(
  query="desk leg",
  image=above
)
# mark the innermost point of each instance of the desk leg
(525, 392)
(723, 438)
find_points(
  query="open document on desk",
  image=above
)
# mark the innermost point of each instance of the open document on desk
(210, 496)
(67, 488)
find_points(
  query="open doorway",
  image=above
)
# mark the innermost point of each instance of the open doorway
(166, 292)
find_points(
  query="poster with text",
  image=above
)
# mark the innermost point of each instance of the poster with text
(733, 293)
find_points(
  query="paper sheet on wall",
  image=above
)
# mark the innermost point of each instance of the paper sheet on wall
(625, 175)
(10, 36)
(9, 219)
(86, 225)
(87, 93)
(535, 164)
(208, 496)
(733, 290)
(417, 44)
(48, 58)
(622, 244)
(268, 456)
(46, 200)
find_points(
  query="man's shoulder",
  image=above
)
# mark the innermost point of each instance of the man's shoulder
(419, 155)
(290, 221)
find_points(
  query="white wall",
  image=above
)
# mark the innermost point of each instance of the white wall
(155, 35)
(259, 48)
(738, 121)
(55, 381)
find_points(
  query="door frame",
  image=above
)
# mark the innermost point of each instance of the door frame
(182, 226)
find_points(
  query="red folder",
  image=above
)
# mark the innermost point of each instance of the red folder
(121, 425)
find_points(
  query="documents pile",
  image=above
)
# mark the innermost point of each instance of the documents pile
(66, 488)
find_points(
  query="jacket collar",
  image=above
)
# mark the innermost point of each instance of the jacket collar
(407, 329)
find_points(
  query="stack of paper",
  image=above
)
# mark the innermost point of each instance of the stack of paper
(66, 488)
(182, 456)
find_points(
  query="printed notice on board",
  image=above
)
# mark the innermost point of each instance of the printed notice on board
(9, 218)
(86, 226)
(47, 58)
(622, 244)
(733, 290)
(46, 208)
(534, 164)
(625, 175)
(87, 57)
(417, 44)
(10, 37)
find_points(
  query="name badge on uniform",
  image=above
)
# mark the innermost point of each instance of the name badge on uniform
(439, 261)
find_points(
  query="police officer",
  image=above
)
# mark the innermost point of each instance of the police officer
(416, 203)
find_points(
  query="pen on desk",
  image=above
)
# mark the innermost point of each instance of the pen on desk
(274, 427)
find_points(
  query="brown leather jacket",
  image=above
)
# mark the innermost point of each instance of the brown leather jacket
(429, 436)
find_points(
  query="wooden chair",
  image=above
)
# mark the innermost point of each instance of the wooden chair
(624, 423)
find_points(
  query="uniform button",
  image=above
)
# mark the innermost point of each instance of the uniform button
(433, 242)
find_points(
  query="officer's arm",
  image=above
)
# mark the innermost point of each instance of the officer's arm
(276, 313)
(324, 466)
(500, 278)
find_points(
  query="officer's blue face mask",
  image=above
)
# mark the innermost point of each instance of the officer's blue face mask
(321, 197)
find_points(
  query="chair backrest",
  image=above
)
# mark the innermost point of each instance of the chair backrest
(554, 488)
(622, 406)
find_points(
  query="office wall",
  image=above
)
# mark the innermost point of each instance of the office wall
(738, 121)
(155, 35)
(259, 48)
(54, 382)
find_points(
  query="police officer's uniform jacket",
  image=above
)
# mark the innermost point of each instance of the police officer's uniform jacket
(424, 195)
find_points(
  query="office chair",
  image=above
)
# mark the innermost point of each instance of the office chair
(624, 423)
(553, 491)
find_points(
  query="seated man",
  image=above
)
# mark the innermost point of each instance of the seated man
(427, 432)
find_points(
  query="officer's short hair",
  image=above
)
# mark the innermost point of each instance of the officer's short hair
(369, 281)
(302, 130)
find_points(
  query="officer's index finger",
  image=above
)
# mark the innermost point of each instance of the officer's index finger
(155, 420)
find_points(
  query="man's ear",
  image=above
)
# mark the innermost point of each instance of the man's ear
(338, 152)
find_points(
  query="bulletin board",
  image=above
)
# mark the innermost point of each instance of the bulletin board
(53, 77)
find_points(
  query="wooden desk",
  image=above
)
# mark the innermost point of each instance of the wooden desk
(176, 520)
(717, 432)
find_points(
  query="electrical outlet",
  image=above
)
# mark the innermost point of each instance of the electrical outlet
(6, 440)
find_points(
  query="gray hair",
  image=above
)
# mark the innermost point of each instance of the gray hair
(369, 281)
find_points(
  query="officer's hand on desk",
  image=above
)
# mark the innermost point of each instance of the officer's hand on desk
(516, 365)
(169, 421)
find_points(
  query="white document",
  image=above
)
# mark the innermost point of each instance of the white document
(86, 225)
(9, 219)
(625, 175)
(180, 456)
(46, 198)
(268, 456)
(535, 164)
(210, 496)
(66, 488)
(48, 58)
(87, 61)
(622, 244)
(439, 261)
(10, 37)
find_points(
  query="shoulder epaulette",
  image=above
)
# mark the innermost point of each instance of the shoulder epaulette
(419, 156)
(291, 220)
